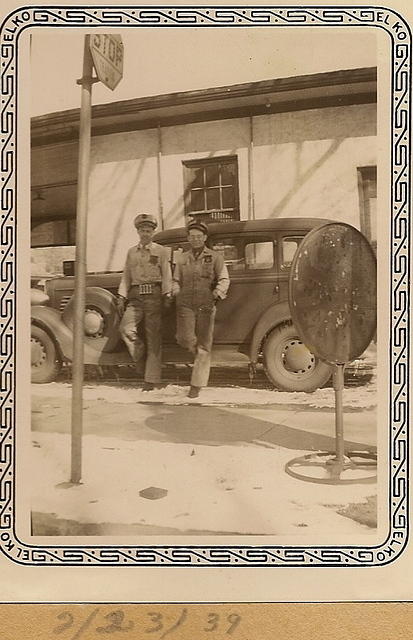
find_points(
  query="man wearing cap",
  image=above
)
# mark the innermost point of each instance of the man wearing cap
(146, 281)
(200, 280)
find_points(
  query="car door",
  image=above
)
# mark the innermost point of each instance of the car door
(288, 244)
(252, 261)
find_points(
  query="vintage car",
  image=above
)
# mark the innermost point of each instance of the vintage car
(253, 323)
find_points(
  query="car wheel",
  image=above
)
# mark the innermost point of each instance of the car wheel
(289, 364)
(46, 363)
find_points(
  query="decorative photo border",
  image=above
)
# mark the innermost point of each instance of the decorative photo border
(30, 17)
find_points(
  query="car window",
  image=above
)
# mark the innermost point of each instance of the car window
(289, 247)
(242, 255)
(259, 255)
(232, 252)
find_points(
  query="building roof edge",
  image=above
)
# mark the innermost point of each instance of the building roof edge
(68, 120)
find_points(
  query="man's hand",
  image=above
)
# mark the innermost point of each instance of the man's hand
(167, 300)
(216, 297)
(120, 302)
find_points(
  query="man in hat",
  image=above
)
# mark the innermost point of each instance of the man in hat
(146, 282)
(200, 280)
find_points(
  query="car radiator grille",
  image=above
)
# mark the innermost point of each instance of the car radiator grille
(63, 302)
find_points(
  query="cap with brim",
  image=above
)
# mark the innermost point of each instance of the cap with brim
(197, 224)
(145, 218)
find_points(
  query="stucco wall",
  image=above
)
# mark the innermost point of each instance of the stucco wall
(124, 180)
(304, 164)
(194, 142)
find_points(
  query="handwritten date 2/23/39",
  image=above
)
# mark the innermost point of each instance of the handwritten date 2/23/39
(158, 624)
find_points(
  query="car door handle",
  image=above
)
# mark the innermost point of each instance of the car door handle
(276, 289)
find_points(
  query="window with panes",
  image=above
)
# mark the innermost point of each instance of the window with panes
(211, 189)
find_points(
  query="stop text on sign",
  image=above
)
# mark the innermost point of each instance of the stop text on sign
(107, 54)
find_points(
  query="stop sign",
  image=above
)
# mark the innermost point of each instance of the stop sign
(107, 55)
(332, 292)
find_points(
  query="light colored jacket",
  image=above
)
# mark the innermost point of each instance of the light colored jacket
(144, 265)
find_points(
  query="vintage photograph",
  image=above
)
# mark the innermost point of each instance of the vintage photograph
(204, 351)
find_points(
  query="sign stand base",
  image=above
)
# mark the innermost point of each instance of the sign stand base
(323, 467)
(339, 466)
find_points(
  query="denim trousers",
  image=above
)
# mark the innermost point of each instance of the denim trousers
(195, 331)
(147, 308)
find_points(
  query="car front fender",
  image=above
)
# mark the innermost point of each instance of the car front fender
(273, 316)
(104, 302)
(50, 320)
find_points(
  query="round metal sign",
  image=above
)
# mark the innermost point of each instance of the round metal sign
(333, 292)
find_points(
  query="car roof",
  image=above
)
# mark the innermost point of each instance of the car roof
(246, 226)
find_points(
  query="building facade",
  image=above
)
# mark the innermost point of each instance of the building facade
(303, 146)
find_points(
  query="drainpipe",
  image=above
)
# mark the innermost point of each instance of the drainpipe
(159, 176)
(251, 203)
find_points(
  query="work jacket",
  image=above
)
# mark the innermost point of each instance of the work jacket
(143, 265)
(196, 279)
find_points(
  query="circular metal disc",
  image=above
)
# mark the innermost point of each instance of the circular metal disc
(333, 292)
(322, 467)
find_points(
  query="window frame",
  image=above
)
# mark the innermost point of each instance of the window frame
(243, 240)
(287, 236)
(188, 165)
(364, 175)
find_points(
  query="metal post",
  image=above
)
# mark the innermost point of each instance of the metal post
(338, 382)
(159, 176)
(251, 203)
(80, 275)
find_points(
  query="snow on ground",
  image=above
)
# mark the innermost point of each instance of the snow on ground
(353, 397)
(230, 488)
(233, 489)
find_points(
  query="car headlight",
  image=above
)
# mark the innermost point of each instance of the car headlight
(38, 297)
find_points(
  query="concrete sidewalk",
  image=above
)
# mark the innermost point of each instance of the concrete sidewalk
(217, 469)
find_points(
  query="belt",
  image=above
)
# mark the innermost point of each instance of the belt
(143, 289)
